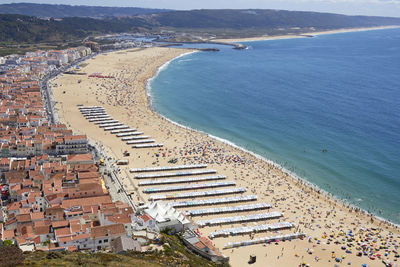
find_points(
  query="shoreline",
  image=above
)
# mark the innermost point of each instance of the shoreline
(304, 35)
(292, 175)
(164, 129)
(158, 70)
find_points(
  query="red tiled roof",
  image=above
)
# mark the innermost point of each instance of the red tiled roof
(58, 224)
(8, 234)
(89, 201)
(62, 232)
(37, 215)
(23, 218)
(146, 217)
(79, 157)
(42, 230)
(107, 230)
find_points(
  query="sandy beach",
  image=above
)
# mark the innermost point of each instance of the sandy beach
(302, 35)
(328, 224)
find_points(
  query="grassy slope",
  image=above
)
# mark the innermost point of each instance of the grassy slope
(174, 254)
(43, 259)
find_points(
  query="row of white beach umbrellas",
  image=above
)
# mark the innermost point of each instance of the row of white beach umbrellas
(168, 168)
(252, 229)
(214, 201)
(171, 174)
(98, 116)
(242, 218)
(187, 187)
(231, 209)
(238, 190)
(264, 240)
(183, 180)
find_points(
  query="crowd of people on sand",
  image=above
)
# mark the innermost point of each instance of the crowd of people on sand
(329, 224)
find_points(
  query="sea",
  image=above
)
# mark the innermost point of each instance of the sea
(326, 108)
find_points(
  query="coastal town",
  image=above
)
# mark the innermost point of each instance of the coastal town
(56, 193)
(87, 165)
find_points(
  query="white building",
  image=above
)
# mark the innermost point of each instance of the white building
(166, 217)
(72, 144)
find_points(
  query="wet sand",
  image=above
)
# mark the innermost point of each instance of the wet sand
(320, 218)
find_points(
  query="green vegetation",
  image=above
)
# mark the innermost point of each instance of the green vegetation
(265, 19)
(176, 248)
(61, 11)
(20, 28)
(174, 254)
(7, 243)
(40, 259)
(20, 33)
(13, 48)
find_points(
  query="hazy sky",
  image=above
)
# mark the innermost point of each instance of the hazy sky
(349, 7)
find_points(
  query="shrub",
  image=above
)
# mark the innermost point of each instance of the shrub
(11, 255)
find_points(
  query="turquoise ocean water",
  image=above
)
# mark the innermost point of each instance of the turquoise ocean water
(288, 100)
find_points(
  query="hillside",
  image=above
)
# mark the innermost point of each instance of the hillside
(265, 19)
(222, 23)
(20, 28)
(61, 11)
(174, 253)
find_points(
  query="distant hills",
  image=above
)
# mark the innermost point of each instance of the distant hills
(77, 22)
(265, 19)
(26, 29)
(62, 11)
